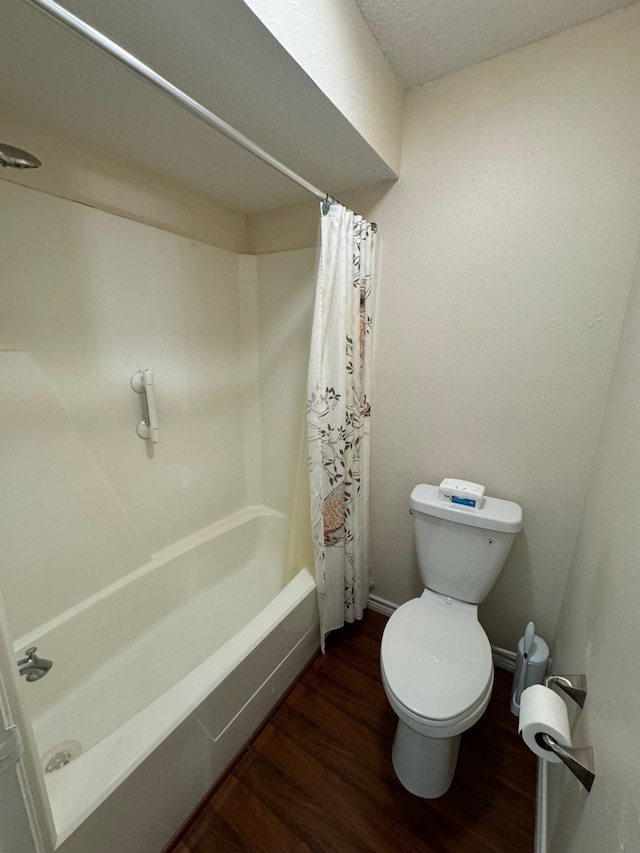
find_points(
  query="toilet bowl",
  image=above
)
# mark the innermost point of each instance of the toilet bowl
(437, 672)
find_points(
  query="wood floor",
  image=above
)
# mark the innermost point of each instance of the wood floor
(319, 776)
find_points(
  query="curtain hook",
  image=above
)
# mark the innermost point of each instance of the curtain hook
(326, 205)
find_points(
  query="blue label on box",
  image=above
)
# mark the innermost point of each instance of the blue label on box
(464, 501)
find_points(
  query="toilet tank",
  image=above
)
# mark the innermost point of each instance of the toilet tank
(461, 551)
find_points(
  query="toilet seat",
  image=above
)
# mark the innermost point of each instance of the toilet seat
(436, 664)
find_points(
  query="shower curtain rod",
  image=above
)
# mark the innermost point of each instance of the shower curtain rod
(106, 44)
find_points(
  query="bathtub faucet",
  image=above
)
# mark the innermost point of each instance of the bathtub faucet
(32, 666)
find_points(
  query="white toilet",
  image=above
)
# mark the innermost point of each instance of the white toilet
(435, 657)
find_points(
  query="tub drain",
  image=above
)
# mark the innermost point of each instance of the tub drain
(60, 755)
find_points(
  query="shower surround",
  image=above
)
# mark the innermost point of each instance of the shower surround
(121, 544)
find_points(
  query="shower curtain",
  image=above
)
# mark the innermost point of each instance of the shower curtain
(338, 416)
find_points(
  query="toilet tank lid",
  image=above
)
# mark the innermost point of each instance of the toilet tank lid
(494, 514)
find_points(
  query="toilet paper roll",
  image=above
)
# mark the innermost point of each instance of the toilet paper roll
(543, 712)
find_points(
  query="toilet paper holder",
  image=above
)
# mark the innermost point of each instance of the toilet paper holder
(573, 685)
(580, 760)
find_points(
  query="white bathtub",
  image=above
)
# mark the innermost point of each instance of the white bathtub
(163, 677)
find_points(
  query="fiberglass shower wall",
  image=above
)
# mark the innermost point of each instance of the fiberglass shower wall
(88, 299)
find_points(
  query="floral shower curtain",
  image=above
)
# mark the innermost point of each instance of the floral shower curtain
(338, 417)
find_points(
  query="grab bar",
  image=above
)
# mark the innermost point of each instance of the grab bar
(142, 383)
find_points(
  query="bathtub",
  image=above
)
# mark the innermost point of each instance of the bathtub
(159, 681)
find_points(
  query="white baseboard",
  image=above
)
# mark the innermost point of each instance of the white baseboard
(504, 658)
(381, 605)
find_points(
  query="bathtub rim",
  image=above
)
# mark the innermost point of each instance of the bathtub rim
(156, 561)
(100, 770)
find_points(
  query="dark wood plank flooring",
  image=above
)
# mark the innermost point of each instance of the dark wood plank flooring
(319, 777)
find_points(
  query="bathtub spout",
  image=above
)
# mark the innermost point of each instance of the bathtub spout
(32, 666)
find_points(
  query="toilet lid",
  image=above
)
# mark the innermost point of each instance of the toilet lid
(436, 657)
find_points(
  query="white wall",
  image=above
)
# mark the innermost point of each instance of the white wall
(296, 226)
(77, 170)
(333, 44)
(89, 298)
(598, 629)
(93, 297)
(285, 311)
(277, 293)
(507, 251)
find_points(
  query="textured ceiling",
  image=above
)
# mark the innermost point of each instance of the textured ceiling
(426, 39)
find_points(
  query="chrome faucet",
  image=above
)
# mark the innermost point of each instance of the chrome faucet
(32, 666)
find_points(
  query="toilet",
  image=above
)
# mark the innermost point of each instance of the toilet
(435, 657)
